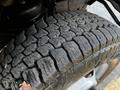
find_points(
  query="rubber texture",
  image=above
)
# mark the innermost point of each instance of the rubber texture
(58, 50)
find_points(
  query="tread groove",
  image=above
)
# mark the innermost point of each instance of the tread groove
(89, 43)
(97, 39)
(40, 73)
(55, 62)
(44, 18)
(67, 54)
(104, 36)
(79, 48)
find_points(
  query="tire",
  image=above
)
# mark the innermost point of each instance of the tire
(56, 51)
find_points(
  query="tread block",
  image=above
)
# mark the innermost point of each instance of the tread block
(43, 40)
(73, 24)
(73, 51)
(44, 50)
(9, 77)
(80, 21)
(113, 34)
(93, 41)
(46, 65)
(100, 37)
(107, 35)
(29, 41)
(100, 25)
(59, 16)
(77, 31)
(40, 24)
(56, 42)
(6, 70)
(94, 26)
(54, 34)
(8, 59)
(31, 48)
(117, 31)
(17, 59)
(61, 23)
(61, 58)
(86, 27)
(64, 28)
(30, 60)
(51, 20)
(32, 77)
(66, 15)
(84, 45)
(18, 50)
(68, 35)
(41, 33)
(52, 27)
(16, 71)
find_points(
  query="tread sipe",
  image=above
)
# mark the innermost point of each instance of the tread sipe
(58, 50)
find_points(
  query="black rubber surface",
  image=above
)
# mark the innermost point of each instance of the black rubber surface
(56, 51)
